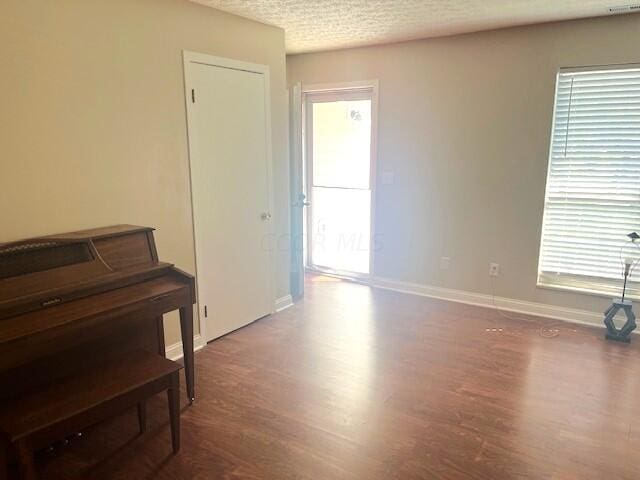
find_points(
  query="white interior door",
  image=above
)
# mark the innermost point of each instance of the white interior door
(229, 144)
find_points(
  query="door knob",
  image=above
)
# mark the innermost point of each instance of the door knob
(265, 216)
(301, 201)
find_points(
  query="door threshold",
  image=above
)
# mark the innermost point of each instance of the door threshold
(342, 276)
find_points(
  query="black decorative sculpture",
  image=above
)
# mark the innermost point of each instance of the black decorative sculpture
(622, 334)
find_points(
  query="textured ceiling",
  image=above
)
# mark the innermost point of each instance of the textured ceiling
(312, 25)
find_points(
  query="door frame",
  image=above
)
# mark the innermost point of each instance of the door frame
(189, 57)
(336, 89)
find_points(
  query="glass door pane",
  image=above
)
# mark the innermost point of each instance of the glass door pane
(341, 229)
(342, 144)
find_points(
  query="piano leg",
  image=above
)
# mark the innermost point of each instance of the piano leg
(186, 328)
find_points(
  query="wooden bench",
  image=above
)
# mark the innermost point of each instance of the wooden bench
(56, 411)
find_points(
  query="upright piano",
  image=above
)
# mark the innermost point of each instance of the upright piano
(67, 300)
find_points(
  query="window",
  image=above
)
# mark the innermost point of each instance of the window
(592, 198)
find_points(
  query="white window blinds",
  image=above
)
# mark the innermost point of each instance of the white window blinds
(593, 184)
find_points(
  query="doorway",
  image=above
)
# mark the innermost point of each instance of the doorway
(229, 130)
(339, 173)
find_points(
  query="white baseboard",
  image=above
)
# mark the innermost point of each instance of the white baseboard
(283, 302)
(174, 352)
(572, 315)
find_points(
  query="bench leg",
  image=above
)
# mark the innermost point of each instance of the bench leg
(142, 416)
(173, 394)
(25, 461)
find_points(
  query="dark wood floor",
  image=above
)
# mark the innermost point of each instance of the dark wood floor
(355, 383)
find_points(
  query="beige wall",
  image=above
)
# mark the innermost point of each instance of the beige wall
(92, 116)
(464, 124)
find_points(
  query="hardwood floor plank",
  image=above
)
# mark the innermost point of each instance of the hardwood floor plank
(355, 383)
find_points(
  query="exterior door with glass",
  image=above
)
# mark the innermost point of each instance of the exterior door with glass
(339, 177)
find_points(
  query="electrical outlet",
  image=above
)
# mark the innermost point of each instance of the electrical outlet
(494, 269)
(444, 263)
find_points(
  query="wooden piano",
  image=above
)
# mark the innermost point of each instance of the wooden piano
(67, 300)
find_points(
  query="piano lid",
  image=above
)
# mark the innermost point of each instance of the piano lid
(45, 271)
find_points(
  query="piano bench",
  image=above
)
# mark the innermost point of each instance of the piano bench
(81, 400)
